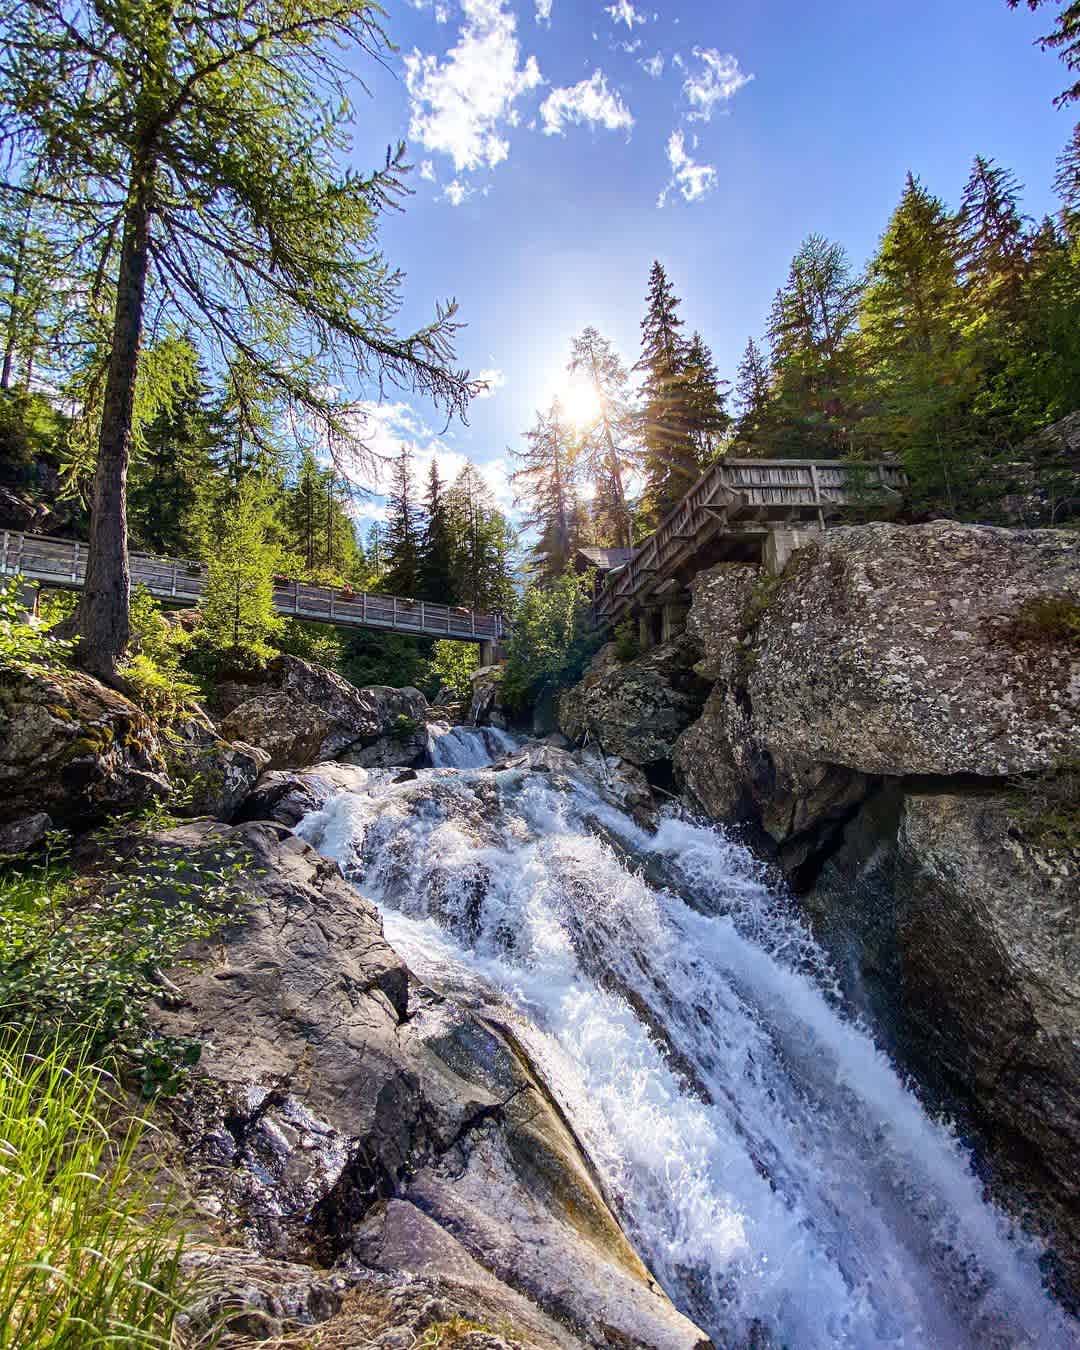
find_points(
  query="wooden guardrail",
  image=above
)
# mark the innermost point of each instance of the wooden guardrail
(742, 497)
(62, 563)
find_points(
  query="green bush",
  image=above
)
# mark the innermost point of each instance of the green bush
(405, 728)
(452, 665)
(83, 1264)
(311, 642)
(627, 643)
(25, 645)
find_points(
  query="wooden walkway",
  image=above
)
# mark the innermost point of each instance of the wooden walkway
(62, 563)
(736, 503)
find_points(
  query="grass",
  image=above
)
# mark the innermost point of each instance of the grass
(81, 1263)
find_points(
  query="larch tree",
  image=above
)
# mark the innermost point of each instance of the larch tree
(608, 445)
(238, 616)
(993, 243)
(671, 463)
(188, 149)
(546, 486)
(812, 316)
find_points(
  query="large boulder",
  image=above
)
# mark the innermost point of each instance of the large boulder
(73, 749)
(636, 710)
(987, 931)
(344, 1115)
(301, 713)
(213, 777)
(486, 708)
(882, 651)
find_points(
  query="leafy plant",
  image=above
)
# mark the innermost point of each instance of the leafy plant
(552, 640)
(23, 644)
(405, 728)
(83, 1264)
(452, 665)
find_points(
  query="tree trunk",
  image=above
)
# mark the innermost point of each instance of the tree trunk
(101, 621)
(12, 337)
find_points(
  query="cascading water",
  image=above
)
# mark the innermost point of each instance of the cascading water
(467, 747)
(764, 1156)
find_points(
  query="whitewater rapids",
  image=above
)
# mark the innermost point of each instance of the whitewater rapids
(770, 1165)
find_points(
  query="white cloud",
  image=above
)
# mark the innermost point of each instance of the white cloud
(458, 105)
(427, 171)
(456, 192)
(717, 79)
(622, 11)
(543, 11)
(654, 66)
(589, 101)
(691, 179)
(494, 379)
(441, 9)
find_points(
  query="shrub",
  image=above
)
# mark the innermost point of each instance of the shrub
(452, 665)
(25, 645)
(82, 1263)
(311, 642)
(627, 643)
(405, 728)
(154, 667)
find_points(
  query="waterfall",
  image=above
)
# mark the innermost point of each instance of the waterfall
(765, 1157)
(467, 747)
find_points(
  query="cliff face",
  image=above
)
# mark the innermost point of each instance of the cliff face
(896, 719)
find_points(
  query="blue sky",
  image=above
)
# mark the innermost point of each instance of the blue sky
(561, 145)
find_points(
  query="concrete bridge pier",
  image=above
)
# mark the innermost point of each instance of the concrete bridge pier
(781, 544)
(489, 653)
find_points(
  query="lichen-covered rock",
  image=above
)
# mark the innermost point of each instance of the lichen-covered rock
(988, 935)
(301, 713)
(74, 749)
(486, 708)
(214, 776)
(19, 836)
(345, 1115)
(637, 710)
(894, 649)
(719, 615)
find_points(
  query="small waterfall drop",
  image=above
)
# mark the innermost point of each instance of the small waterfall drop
(764, 1156)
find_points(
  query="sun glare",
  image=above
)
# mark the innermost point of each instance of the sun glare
(581, 403)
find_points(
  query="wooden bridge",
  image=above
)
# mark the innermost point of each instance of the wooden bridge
(62, 563)
(731, 511)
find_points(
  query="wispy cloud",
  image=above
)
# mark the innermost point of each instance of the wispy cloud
(716, 79)
(456, 192)
(653, 66)
(622, 11)
(494, 378)
(543, 11)
(459, 106)
(590, 101)
(440, 8)
(689, 178)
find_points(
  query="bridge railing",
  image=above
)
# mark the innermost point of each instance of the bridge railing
(735, 487)
(62, 563)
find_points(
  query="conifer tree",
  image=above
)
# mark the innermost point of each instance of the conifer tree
(993, 243)
(671, 462)
(546, 485)
(189, 151)
(608, 447)
(482, 543)
(752, 398)
(436, 567)
(706, 400)
(402, 574)
(811, 318)
(237, 609)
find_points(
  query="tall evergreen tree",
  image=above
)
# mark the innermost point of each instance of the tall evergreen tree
(993, 243)
(706, 401)
(402, 574)
(237, 609)
(1064, 38)
(811, 318)
(608, 447)
(436, 568)
(671, 457)
(546, 485)
(752, 397)
(483, 543)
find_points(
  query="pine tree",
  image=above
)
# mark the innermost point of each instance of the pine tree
(706, 399)
(482, 545)
(671, 462)
(608, 448)
(402, 531)
(436, 568)
(1064, 39)
(752, 398)
(237, 609)
(811, 318)
(546, 485)
(993, 243)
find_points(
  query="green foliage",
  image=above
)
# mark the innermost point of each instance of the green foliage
(237, 610)
(552, 640)
(627, 641)
(78, 960)
(392, 659)
(451, 667)
(30, 429)
(1051, 619)
(405, 728)
(546, 484)
(91, 1257)
(154, 666)
(311, 642)
(25, 645)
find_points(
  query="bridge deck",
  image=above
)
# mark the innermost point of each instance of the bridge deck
(743, 499)
(62, 563)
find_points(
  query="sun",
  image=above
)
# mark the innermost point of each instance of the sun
(581, 403)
